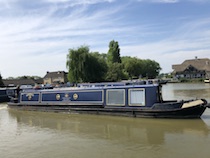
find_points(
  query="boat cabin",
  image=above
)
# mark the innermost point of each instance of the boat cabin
(106, 96)
(118, 100)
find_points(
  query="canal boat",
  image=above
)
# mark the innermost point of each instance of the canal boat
(135, 100)
(207, 80)
(6, 93)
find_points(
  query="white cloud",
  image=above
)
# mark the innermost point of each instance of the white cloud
(160, 1)
(166, 53)
(173, 1)
(36, 39)
(165, 1)
(188, 40)
(77, 2)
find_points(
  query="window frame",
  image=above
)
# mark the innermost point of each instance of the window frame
(137, 104)
(107, 97)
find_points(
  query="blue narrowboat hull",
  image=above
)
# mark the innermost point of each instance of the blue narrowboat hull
(133, 101)
(190, 112)
(4, 99)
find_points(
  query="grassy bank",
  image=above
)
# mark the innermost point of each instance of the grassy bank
(191, 80)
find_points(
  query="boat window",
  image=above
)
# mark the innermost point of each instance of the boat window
(116, 97)
(137, 97)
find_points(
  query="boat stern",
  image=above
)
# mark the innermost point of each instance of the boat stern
(201, 102)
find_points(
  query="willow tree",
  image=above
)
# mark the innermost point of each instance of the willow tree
(76, 63)
(96, 68)
(85, 66)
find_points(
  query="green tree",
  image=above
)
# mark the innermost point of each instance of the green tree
(1, 81)
(115, 72)
(115, 69)
(84, 66)
(95, 69)
(137, 67)
(133, 66)
(113, 55)
(151, 68)
(76, 63)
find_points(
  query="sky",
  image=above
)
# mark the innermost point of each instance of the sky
(35, 36)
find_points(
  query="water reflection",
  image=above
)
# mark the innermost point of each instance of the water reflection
(120, 129)
(35, 134)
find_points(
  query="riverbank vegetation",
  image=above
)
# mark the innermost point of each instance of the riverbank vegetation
(186, 80)
(86, 66)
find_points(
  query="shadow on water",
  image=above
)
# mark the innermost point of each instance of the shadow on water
(138, 131)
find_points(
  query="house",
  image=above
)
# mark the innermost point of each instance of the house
(193, 68)
(55, 77)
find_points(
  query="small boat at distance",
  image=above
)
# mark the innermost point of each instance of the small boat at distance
(6, 93)
(207, 80)
(118, 99)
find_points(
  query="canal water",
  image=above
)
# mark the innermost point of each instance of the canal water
(53, 135)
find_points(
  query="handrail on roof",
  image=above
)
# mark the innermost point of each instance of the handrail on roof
(124, 83)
